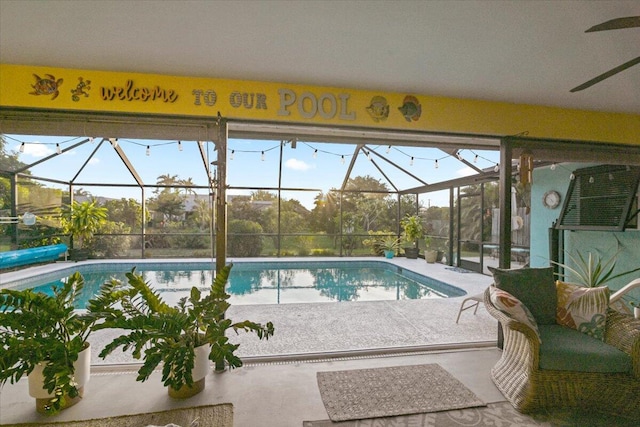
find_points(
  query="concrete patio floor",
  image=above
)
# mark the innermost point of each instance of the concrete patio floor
(277, 385)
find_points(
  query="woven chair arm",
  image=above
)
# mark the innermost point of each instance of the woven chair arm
(509, 322)
(623, 332)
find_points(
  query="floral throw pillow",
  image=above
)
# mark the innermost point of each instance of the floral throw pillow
(583, 309)
(513, 307)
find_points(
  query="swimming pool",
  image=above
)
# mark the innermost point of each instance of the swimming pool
(264, 282)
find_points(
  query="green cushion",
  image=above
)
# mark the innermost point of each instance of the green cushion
(565, 349)
(535, 287)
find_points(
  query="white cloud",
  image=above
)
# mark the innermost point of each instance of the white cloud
(37, 150)
(298, 165)
(466, 172)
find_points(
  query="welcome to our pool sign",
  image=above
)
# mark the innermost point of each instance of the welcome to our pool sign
(51, 88)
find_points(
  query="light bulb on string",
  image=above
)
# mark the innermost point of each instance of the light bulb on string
(411, 162)
(148, 151)
(496, 168)
(91, 139)
(262, 156)
(179, 145)
(368, 155)
(436, 164)
(342, 159)
(114, 142)
(315, 153)
(232, 153)
(388, 149)
(22, 147)
(553, 166)
(591, 180)
(58, 150)
(475, 159)
(572, 176)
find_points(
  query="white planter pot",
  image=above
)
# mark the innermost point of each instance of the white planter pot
(199, 374)
(82, 374)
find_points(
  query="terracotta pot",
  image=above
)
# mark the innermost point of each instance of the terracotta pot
(199, 373)
(82, 374)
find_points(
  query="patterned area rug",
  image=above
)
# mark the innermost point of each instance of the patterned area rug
(202, 416)
(391, 391)
(494, 414)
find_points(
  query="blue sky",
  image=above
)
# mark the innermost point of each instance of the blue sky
(315, 165)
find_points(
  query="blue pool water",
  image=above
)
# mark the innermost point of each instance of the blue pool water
(267, 282)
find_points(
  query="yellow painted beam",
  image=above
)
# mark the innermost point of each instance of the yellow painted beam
(50, 88)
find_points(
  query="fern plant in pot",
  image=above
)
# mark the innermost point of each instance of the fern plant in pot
(44, 337)
(184, 338)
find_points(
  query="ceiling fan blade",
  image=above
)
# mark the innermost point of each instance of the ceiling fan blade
(616, 24)
(606, 75)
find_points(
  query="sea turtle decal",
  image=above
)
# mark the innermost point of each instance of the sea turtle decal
(47, 86)
(378, 109)
(411, 109)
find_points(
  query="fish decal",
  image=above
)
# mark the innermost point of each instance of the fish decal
(378, 109)
(411, 108)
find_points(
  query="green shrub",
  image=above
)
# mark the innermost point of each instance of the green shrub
(244, 238)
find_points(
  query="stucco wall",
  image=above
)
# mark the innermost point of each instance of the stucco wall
(603, 244)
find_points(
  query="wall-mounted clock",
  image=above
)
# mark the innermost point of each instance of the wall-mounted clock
(551, 199)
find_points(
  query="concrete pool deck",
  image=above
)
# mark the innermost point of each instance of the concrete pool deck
(277, 386)
(314, 330)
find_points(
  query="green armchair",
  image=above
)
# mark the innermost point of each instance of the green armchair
(549, 365)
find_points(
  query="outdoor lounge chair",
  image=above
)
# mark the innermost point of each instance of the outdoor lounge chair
(547, 365)
(475, 303)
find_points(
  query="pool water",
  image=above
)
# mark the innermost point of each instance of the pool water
(269, 282)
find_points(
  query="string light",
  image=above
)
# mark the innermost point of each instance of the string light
(572, 176)
(388, 149)
(553, 166)
(22, 147)
(368, 155)
(411, 162)
(496, 168)
(114, 142)
(437, 165)
(475, 159)
(342, 159)
(58, 150)
(232, 153)
(591, 180)
(262, 156)
(179, 145)
(315, 153)
(148, 151)
(91, 139)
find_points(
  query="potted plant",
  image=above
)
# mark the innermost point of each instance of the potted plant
(45, 337)
(81, 221)
(184, 337)
(591, 271)
(430, 255)
(389, 245)
(412, 231)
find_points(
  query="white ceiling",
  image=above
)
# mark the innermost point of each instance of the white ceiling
(516, 51)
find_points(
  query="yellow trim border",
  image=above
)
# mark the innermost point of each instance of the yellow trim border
(63, 89)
